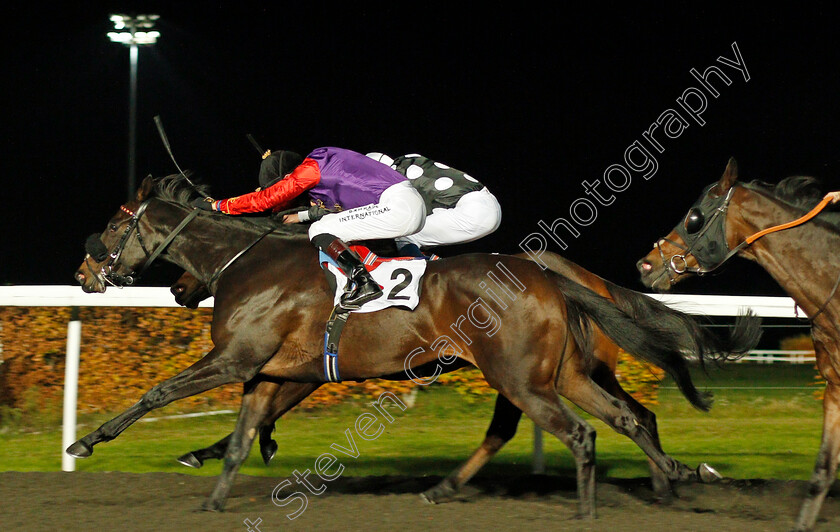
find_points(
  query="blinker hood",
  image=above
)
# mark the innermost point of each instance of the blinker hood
(708, 244)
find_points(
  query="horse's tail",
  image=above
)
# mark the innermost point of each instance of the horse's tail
(655, 333)
(696, 339)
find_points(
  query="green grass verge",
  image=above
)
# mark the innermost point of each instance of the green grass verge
(773, 432)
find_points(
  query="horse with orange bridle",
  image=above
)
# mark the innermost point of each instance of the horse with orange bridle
(785, 229)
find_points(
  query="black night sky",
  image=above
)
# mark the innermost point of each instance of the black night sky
(531, 101)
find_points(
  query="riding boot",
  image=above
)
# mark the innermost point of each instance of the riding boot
(413, 250)
(410, 250)
(362, 287)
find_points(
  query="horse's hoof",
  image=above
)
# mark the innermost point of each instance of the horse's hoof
(190, 460)
(708, 474)
(212, 506)
(80, 450)
(440, 493)
(268, 451)
(663, 499)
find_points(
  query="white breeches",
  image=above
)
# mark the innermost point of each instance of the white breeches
(476, 215)
(400, 212)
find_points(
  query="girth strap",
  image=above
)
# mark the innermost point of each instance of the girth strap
(332, 335)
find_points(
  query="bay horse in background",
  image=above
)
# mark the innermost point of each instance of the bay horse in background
(271, 305)
(745, 219)
(189, 292)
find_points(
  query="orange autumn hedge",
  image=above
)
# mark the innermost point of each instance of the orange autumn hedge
(125, 351)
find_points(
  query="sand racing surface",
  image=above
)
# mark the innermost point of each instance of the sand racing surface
(167, 501)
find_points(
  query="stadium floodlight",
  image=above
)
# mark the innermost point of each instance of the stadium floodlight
(132, 24)
(138, 32)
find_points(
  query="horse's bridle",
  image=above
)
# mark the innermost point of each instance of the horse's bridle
(720, 214)
(671, 264)
(109, 268)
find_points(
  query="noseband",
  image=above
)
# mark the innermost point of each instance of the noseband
(112, 264)
(677, 263)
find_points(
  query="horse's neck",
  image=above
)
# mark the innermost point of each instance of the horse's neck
(209, 243)
(803, 259)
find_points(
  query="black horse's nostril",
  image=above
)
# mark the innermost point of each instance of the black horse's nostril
(644, 266)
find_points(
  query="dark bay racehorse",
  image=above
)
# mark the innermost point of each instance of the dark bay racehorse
(272, 302)
(804, 260)
(189, 292)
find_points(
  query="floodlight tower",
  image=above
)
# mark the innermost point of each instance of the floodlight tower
(137, 31)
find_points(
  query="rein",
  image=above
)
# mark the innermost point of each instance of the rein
(673, 268)
(119, 280)
(781, 227)
(108, 268)
(233, 259)
(799, 221)
(747, 241)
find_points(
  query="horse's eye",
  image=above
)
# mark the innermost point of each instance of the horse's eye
(694, 221)
(112, 227)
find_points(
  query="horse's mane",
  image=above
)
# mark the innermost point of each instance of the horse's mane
(801, 192)
(177, 188)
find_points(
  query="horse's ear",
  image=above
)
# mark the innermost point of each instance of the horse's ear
(145, 189)
(730, 175)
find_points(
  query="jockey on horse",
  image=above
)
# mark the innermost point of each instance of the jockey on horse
(459, 209)
(353, 198)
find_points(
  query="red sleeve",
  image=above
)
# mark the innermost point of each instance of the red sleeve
(275, 197)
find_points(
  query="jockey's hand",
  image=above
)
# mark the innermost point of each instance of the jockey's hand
(291, 218)
(315, 213)
(205, 204)
(835, 196)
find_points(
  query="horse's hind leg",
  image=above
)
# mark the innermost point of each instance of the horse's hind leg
(284, 397)
(551, 414)
(255, 405)
(606, 379)
(825, 470)
(582, 391)
(195, 459)
(502, 428)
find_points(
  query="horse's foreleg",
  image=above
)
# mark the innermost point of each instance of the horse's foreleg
(502, 428)
(605, 378)
(255, 406)
(214, 370)
(825, 470)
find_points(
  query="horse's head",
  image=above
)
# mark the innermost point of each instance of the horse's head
(110, 258)
(699, 243)
(189, 291)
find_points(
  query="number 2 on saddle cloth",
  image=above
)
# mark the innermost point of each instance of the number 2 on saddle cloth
(399, 278)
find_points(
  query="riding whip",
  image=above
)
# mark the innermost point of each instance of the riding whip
(263, 153)
(165, 140)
